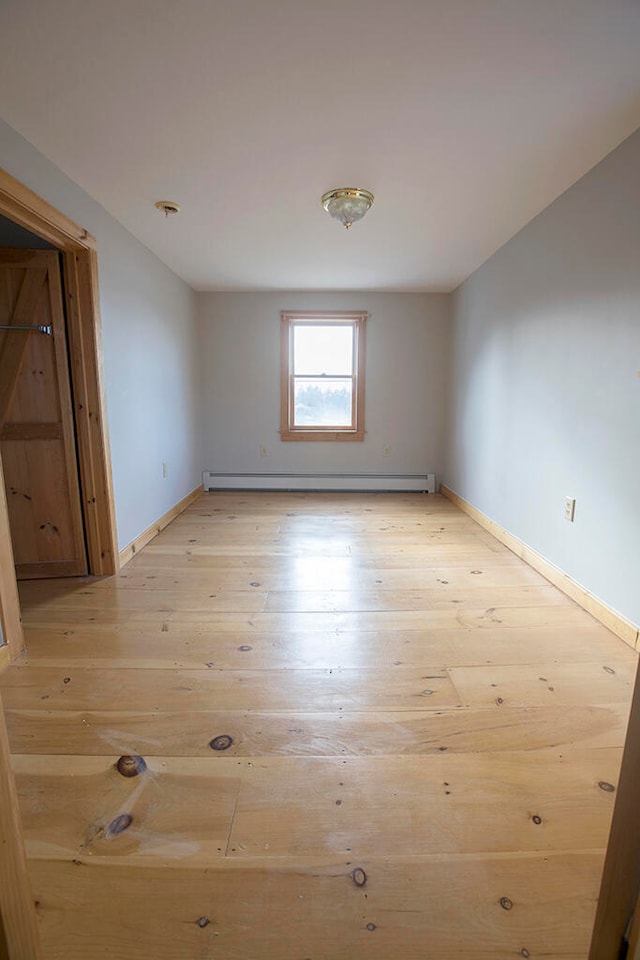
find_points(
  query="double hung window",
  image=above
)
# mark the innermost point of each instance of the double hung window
(322, 388)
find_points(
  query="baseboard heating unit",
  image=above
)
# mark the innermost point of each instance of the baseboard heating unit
(359, 482)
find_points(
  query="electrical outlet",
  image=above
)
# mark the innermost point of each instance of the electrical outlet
(386, 450)
(569, 508)
(263, 450)
(165, 470)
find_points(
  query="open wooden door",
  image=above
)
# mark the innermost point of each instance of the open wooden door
(37, 437)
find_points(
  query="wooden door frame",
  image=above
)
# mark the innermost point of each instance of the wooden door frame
(84, 329)
(620, 887)
(18, 923)
(9, 602)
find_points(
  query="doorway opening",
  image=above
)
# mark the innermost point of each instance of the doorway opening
(84, 439)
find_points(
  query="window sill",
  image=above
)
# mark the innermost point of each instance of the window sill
(333, 436)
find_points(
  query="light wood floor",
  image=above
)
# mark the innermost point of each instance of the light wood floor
(369, 730)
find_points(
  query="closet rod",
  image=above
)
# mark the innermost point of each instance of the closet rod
(42, 328)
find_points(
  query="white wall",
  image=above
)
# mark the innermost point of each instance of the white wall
(406, 359)
(150, 350)
(544, 388)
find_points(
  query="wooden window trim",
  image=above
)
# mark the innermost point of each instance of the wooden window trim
(355, 433)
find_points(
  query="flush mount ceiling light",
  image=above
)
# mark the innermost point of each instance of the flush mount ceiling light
(347, 204)
(167, 207)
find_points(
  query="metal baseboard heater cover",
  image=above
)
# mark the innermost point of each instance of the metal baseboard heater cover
(358, 482)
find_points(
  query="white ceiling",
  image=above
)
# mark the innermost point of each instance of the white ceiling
(464, 117)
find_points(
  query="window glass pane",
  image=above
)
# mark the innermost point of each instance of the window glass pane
(323, 349)
(322, 403)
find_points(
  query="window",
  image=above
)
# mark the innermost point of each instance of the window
(322, 388)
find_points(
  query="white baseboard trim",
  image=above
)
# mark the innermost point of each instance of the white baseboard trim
(338, 482)
(614, 621)
(147, 535)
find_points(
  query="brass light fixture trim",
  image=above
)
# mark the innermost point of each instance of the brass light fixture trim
(347, 204)
(167, 207)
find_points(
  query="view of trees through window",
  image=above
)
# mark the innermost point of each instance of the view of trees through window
(322, 403)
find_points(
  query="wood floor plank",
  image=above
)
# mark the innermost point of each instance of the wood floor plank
(312, 574)
(435, 907)
(541, 683)
(86, 689)
(467, 546)
(444, 804)
(201, 600)
(452, 616)
(328, 689)
(434, 599)
(188, 733)
(156, 557)
(173, 809)
(167, 644)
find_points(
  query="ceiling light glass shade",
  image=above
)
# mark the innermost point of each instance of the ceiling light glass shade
(347, 204)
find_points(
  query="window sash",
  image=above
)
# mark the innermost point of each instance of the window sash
(296, 379)
(295, 326)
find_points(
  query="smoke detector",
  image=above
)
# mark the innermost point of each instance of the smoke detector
(167, 207)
